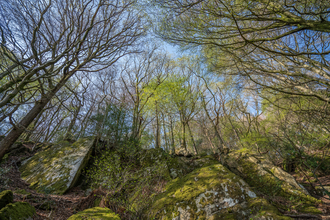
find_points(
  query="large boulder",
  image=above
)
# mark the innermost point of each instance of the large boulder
(17, 211)
(5, 198)
(210, 192)
(260, 173)
(57, 168)
(95, 213)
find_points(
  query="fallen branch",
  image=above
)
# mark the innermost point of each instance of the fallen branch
(303, 216)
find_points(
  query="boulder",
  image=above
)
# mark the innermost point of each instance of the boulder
(210, 192)
(95, 213)
(6, 197)
(56, 169)
(17, 211)
(260, 173)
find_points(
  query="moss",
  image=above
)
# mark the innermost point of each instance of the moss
(261, 207)
(97, 202)
(95, 213)
(257, 172)
(56, 169)
(310, 210)
(6, 197)
(199, 193)
(23, 192)
(17, 211)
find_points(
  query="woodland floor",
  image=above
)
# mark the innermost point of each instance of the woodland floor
(63, 206)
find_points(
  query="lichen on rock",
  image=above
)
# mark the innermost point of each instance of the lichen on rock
(17, 211)
(56, 169)
(211, 192)
(95, 213)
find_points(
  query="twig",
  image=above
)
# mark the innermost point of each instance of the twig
(303, 216)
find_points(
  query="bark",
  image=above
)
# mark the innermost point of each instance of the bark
(183, 133)
(157, 128)
(172, 135)
(35, 123)
(68, 134)
(192, 139)
(16, 132)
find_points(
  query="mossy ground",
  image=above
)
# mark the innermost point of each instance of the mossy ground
(95, 213)
(5, 198)
(17, 211)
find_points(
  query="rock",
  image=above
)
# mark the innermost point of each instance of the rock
(56, 169)
(95, 213)
(181, 152)
(259, 172)
(210, 192)
(17, 211)
(6, 197)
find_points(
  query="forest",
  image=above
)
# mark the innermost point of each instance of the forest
(164, 109)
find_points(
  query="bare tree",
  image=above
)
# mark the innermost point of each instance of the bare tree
(53, 40)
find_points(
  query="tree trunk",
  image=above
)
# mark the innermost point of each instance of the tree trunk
(29, 133)
(183, 133)
(68, 134)
(16, 132)
(172, 135)
(157, 128)
(192, 139)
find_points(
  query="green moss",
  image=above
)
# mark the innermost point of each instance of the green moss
(17, 211)
(23, 192)
(310, 210)
(258, 176)
(6, 197)
(261, 207)
(97, 202)
(95, 213)
(204, 188)
(52, 170)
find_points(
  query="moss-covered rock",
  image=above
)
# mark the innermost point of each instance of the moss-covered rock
(6, 197)
(260, 173)
(211, 192)
(56, 169)
(17, 211)
(95, 213)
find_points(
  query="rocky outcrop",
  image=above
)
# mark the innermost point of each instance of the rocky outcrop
(5, 198)
(259, 172)
(210, 192)
(17, 211)
(57, 168)
(95, 213)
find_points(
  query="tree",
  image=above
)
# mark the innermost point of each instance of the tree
(62, 38)
(280, 45)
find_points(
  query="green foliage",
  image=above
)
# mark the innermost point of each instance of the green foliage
(111, 124)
